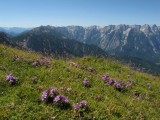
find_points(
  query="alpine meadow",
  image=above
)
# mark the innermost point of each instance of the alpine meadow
(79, 60)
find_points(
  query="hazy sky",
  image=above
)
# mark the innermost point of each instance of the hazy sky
(31, 13)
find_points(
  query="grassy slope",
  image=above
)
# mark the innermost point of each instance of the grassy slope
(22, 101)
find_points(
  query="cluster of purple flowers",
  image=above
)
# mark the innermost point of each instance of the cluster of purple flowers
(11, 79)
(53, 92)
(41, 61)
(45, 95)
(86, 82)
(105, 76)
(61, 99)
(79, 106)
(110, 81)
(119, 85)
(52, 96)
(49, 95)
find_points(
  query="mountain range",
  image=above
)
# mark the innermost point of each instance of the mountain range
(51, 43)
(132, 40)
(139, 44)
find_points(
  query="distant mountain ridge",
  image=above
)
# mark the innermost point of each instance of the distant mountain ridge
(13, 31)
(141, 41)
(4, 39)
(49, 42)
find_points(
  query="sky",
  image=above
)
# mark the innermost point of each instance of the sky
(34, 13)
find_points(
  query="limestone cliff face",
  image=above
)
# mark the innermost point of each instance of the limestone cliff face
(133, 40)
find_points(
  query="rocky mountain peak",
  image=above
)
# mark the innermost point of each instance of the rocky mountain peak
(121, 27)
(155, 28)
(146, 29)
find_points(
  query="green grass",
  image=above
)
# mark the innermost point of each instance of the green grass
(22, 101)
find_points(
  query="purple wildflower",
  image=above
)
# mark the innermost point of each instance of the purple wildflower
(110, 81)
(105, 77)
(83, 104)
(45, 95)
(76, 106)
(61, 99)
(53, 92)
(120, 85)
(117, 85)
(86, 82)
(10, 78)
